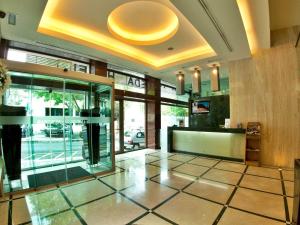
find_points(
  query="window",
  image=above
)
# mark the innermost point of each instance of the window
(168, 91)
(46, 60)
(128, 82)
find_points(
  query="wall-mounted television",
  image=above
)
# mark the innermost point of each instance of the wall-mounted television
(200, 106)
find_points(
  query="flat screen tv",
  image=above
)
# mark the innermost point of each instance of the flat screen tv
(200, 106)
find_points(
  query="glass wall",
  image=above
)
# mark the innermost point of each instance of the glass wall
(172, 116)
(134, 125)
(54, 124)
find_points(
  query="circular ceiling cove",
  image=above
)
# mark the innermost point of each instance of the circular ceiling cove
(143, 22)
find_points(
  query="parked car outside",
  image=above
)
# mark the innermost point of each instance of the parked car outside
(135, 138)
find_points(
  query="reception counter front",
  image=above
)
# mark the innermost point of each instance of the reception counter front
(219, 143)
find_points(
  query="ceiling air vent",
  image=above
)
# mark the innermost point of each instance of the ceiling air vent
(12, 19)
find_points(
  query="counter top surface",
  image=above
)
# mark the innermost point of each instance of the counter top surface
(218, 130)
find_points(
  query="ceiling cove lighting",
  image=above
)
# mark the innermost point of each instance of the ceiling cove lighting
(248, 21)
(51, 24)
(148, 27)
(180, 83)
(215, 78)
(196, 82)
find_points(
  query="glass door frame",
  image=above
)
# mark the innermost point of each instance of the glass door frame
(121, 118)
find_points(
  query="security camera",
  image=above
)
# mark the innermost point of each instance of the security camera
(66, 70)
(2, 14)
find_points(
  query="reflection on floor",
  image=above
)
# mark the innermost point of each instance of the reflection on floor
(23, 183)
(152, 187)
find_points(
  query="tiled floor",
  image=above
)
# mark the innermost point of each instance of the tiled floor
(152, 187)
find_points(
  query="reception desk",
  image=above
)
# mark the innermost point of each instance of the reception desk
(219, 143)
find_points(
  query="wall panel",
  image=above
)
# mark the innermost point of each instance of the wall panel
(266, 88)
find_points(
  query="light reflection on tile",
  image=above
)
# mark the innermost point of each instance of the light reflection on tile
(65, 218)
(43, 204)
(231, 216)
(112, 210)
(187, 209)
(174, 179)
(149, 194)
(211, 190)
(190, 169)
(87, 191)
(123, 180)
(166, 163)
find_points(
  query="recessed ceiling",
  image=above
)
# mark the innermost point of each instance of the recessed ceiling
(134, 21)
(226, 14)
(143, 23)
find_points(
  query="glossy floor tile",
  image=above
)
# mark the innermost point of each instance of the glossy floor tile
(182, 158)
(289, 188)
(112, 210)
(223, 176)
(262, 184)
(86, 191)
(174, 179)
(237, 217)
(151, 219)
(187, 209)
(235, 167)
(4, 213)
(156, 187)
(211, 190)
(288, 175)
(149, 194)
(64, 218)
(122, 180)
(45, 204)
(20, 212)
(264, 172)
(258, 202)
(191, 169)
(166, 163)
(204, 162)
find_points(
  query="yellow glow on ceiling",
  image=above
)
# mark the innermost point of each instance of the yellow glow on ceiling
(94, 39)
(248, 22)
(143, 28)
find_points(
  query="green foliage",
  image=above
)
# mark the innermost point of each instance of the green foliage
(175, 111)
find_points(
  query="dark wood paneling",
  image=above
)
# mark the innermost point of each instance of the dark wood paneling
(4, 48)
(98, 68)
(153, 116)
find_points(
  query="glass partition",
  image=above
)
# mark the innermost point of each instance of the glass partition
(54, 130)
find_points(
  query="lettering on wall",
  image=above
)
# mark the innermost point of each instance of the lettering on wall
(135, 82)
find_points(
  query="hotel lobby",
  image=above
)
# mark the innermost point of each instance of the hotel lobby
(149, 112)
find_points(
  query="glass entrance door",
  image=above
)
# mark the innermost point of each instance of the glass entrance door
(57, 124)
(134, 125)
